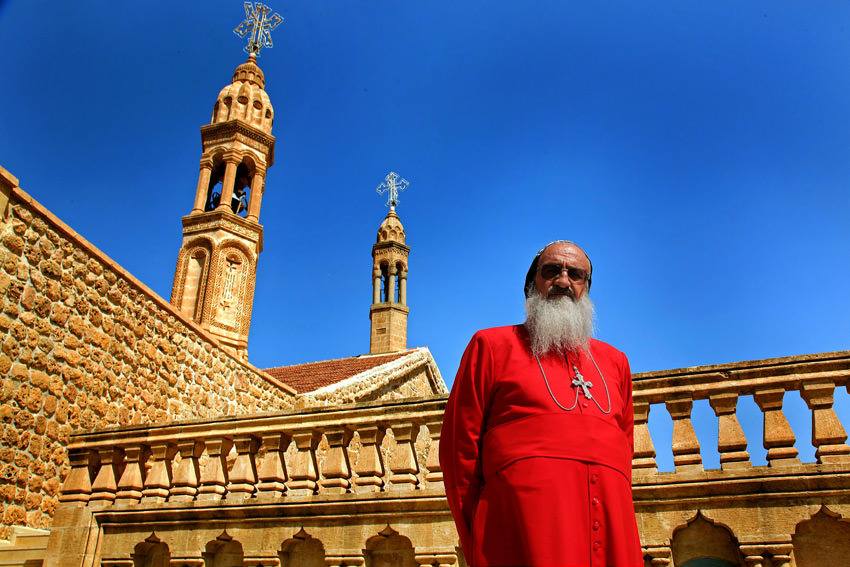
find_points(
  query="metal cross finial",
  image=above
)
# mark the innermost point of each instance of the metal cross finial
(257, 25)
(392, 184)
(580, 382)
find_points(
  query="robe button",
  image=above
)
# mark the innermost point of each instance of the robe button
(584, 404)
(595, 501)
(596, 525)
(596, 545)
(593, 478)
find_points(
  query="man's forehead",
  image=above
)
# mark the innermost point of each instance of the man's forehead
(564, 251)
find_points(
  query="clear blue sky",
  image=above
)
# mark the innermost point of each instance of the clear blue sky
(699, 150)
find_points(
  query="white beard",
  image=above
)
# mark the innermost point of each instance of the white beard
(558, 323)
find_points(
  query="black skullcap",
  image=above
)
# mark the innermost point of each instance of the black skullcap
(532, 269)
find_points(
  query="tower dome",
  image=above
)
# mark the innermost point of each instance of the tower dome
(391, 230)
(245, 98)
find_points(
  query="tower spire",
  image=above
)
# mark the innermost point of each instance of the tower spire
(389, 310)
(222, 235)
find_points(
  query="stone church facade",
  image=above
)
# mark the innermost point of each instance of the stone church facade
(135, 432)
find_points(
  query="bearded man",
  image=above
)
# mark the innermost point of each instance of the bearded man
(536, 446)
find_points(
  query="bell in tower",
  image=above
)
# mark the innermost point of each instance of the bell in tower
(222, 235)
(389, 310)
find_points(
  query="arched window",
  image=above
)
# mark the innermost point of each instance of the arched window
(214, 188)
(193, 285)
(302, 550)
(151, 553)
(224, 551)
(703, 543)
(241, 190)
(385, 282)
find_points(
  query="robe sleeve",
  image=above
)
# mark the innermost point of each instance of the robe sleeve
(460, 440)
(627, 417)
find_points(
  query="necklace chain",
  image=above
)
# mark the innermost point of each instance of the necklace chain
(579, 383)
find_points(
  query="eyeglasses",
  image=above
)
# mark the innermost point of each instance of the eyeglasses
(551, 271)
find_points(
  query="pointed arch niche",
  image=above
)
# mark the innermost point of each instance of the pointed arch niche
(704, 543)
(389, 549)
(195, 270)
(302, 550)
(223, 551)
(811, 535)
(151, 553)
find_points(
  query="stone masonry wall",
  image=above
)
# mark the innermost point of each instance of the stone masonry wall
(84, 345)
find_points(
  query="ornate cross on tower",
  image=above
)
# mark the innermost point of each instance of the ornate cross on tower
(257, 25)
(392, 184)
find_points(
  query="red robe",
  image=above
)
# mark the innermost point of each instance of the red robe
(527, 482)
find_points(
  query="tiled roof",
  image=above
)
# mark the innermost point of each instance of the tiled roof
(314, 375)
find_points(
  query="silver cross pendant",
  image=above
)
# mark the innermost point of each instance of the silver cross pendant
(580, 382)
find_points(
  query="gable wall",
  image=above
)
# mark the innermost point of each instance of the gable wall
(84, 345)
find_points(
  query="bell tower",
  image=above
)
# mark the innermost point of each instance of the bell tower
(222, 235)
(389, 310)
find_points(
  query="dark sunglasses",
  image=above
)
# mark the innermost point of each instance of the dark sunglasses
(551, 271)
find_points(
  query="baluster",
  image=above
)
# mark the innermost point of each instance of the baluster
(434, 558)
(731, 441)
(828, 435)
(432, 462)
(643, 461)
(214, 473)
(158, 479)
(133, 480)
(184, 487)
(369, 466)
(243, 475)
(303, 467)
(336, 472)
(778, 436)
(77, 486)
(271, 471)
(105, 484)
(686, 455)
(403, 457)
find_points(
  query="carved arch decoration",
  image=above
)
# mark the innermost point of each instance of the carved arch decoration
(152, 552)
(193, 274)
(809, 536)
(302, 550)
(223, 551)
(704, 542)
(233, 289)
(388, 548)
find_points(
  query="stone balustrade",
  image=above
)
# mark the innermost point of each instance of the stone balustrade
(816, 378)
(357, 449)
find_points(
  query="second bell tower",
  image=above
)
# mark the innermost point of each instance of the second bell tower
(222, 235)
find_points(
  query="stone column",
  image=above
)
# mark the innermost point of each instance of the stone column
(731, 441)
(232, 162)
(133, 479)
(258, 187)
(686, 455)
(213, 477)
(303, 469)
(432, 461)
(243, 475)
(643, 461)
(778, 436)
(403, 457)
(105, 484)
(402, 287)
(271, 471)
(828, 435)
(336, 473)
(376, 286)
(77, 485)
(203, 186)
(369, 467)
(158, 480)
(184, 487)
(391, 296)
